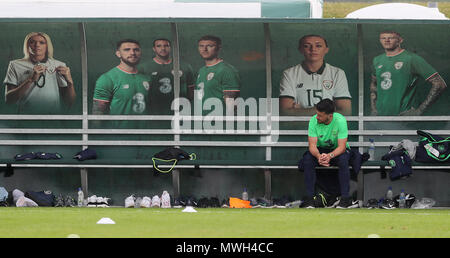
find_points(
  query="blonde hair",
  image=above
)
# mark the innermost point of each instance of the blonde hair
(26, 51)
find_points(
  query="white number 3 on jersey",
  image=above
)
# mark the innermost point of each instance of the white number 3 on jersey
(386, 83)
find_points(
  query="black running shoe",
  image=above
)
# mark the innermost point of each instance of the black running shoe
(70, 202)
(59, 201)
(308, 203)
(388, 204)
(344, 203)
(372, 204)
(191, 202)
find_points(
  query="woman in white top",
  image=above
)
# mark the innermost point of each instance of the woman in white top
(37, 82)
(304, 85)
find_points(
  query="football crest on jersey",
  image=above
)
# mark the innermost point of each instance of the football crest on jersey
(327, 84)
(210, 76)
(398, 65)
(51, 68)
(180, 73)
(146, 85)
(334, 133)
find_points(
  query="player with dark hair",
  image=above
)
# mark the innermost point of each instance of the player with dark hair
(304, 85)
(122, 90)
(393, 89)
(160, 68)
(327, 138)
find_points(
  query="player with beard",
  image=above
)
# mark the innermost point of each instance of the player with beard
(122, 90)
(393, 90)
(328, 146)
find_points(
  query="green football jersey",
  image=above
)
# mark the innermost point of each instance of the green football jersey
(214, 80)
(162, 86)
(397, 80)
(328, 135)
(126, 92)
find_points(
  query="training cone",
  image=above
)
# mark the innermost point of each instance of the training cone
(106, 221)
(189, 209)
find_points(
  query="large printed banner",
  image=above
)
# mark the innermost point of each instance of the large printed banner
(222, 68)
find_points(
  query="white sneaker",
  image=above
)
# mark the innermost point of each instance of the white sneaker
(102, 202)
(23, 201)
(16, 193)
(92, 201)
(165, 200)
(129, 201)
(156, 202)
(146, 202)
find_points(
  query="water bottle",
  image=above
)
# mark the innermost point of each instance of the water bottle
(389, 194)
(402, 200)
(372, 149)
(80, 197)
(245, 195)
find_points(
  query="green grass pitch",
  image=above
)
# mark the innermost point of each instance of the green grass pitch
(45, 222)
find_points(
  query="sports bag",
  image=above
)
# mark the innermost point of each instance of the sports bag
(42, 198)
(432, 148)
(400, 163)
(171, 155)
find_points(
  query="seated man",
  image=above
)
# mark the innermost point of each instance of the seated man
(327, 138)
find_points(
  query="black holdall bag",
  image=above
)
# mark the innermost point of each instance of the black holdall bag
(400, 162)
(432, 148)
(42, 198)
(171, 155)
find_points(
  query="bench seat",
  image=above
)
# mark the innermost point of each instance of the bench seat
(266, 165)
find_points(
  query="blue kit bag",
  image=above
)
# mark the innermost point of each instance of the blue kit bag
(400, 163)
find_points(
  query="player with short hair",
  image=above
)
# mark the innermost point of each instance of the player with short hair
(160, 68)
(37, 82)
(327, 139)
(394, 80)
(217, 79)
(122, 90)
(304, 85)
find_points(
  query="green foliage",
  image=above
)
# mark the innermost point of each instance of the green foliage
(342, 8)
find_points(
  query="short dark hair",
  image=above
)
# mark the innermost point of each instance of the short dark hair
(120, 42)
(300, 41)
(327, 106)
(212, 38)
(154, 41)
(391, 32)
